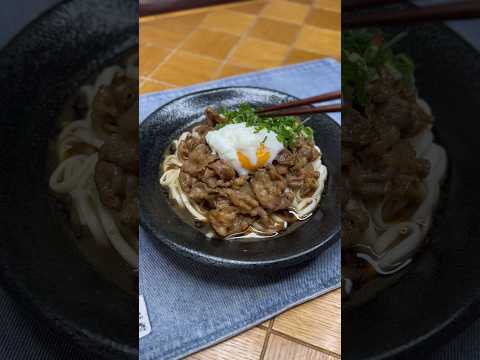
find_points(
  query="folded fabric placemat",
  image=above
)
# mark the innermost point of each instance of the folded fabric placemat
(190, 306)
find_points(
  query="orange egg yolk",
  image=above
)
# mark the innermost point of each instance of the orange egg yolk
(262, 155)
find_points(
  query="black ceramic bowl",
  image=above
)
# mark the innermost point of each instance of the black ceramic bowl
(39, 69)
(167, 123)
(436, 295)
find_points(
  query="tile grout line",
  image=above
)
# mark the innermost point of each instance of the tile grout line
(223, 32)
(222, 64)
(199, 55)
(267, 339)
(159, 82)
(149, 18)
(174, 50)
(302, 25)
(235, 47)
(306, 344)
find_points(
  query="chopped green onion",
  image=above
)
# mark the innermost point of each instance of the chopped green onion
(287, 128)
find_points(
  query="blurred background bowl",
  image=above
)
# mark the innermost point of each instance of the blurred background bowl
(41, 67)
(438, 294)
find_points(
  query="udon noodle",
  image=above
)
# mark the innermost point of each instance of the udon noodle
(389, 246)
(301, 206)
(392, 170)
(78, 147)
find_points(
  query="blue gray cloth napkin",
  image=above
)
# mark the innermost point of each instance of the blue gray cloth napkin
(191, 306)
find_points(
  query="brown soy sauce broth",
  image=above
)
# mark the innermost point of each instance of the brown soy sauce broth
(205, 228)
(104, 259)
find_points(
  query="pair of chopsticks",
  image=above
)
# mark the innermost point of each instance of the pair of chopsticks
(297, 107)
(443, 12)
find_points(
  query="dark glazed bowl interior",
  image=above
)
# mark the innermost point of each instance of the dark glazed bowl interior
(39, 70)
(167, 123)
(428, 305)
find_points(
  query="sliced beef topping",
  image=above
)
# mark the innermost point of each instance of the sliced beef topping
(402, 160)
(234, 202)
(406, 116)
(268, 223)
(186, 181)
(199, 191)
(305, 179)
(223, 169)
(309, 187)
(186, 147)
(305, 149)
(295, 181)
(271, 190)
(202, 130)
(407, 194)
(110, 181)
(115, 120)
(227, 220)
(369, 185)
(111, 102)
(357, 130)
(285, 158)
(120, 151)
(244, 199)
(209, 177)
(199, 158)
(220, 202)
(282, 169)
(129, 214)
(213, 118)
(240, 181)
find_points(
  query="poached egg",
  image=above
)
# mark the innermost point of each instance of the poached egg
(243, 148)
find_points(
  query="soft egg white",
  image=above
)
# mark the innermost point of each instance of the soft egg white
(245, 149)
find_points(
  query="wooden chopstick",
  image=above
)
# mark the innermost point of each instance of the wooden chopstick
(305, 111)
(296, 103)
(461, 10)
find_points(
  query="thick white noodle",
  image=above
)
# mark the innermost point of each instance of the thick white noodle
(116, 238)
(302, 207)
(389, 253)
(171, 179)
(305, 206)
(75, 176)
(379, 269)
(77, 132)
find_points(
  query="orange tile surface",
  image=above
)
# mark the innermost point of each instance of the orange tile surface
(188, 47)
(286, 11)
(228, 21)
(321, 41)
(153, 86)
(215, 44)
(280, 348)
(246, 346)
(324, 19)
(317, 322)
(298, 56)
(183, 68)
(231, 70)
(259, 54)
(150, 57)
(275, 31)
